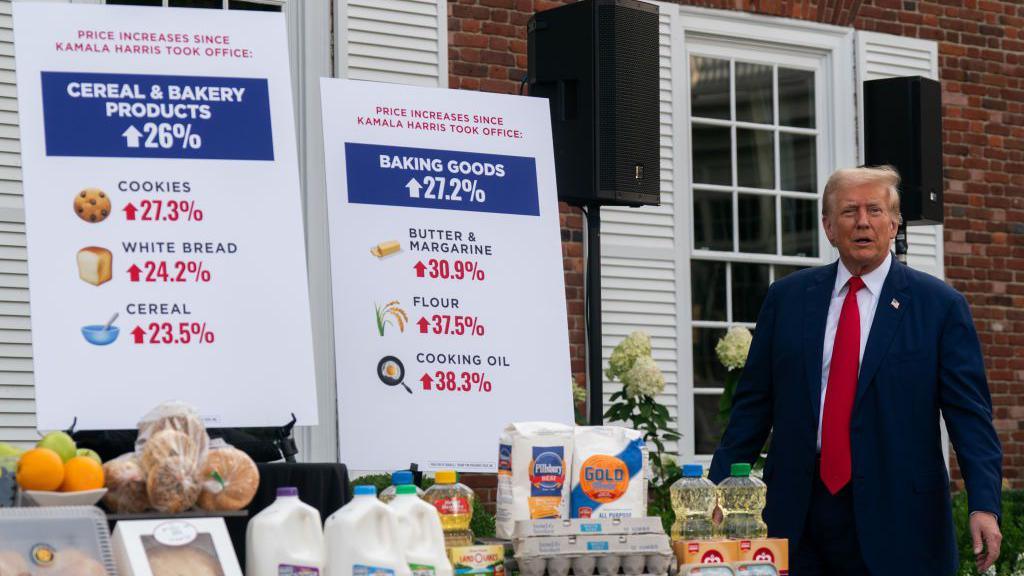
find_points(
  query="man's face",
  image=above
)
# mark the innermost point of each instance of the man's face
(860, 225)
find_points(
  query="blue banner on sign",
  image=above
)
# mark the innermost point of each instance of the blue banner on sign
(442, 179)
(147, 116)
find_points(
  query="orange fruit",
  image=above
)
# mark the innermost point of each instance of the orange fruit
(82, 473)
(40, 469)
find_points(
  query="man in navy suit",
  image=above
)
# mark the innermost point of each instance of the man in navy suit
(850, 367)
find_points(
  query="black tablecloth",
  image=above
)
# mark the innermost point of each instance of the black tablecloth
(322, 486)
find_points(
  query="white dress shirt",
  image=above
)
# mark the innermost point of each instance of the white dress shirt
(867, 302)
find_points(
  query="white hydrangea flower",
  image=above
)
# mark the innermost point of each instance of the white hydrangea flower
(636, 345)
(732, 348)
(579, 393)
(644, 378)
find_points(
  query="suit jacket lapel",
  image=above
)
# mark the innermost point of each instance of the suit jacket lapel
(883, 327)
(819, 292)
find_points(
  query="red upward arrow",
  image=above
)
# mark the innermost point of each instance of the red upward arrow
(420, 267)
(134, 273)
(427, 381)
(423, 323)
(138, 332)
(129, 211)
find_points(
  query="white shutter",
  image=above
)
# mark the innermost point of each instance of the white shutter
(887, 56)
(399, 41)
(17, 394)
(638, 265)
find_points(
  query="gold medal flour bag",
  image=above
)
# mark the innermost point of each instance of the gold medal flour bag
(533, 473)
(609, 473)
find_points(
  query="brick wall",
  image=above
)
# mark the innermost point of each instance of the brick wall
(981, 58)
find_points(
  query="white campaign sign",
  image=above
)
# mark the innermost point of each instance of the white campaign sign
(161, 185)
(449, 298)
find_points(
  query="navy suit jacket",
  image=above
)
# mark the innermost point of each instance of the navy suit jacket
(922, 356)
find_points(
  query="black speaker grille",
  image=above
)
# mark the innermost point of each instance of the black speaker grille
(628, 78)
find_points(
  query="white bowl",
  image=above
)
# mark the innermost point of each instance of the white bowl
(83, 498)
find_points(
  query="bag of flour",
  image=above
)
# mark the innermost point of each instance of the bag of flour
(609, 473)
(533, 473)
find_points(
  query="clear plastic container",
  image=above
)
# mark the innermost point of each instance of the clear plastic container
(741, 498)
(454, 503)
(399, 478)
(693, 499)
(58, 540)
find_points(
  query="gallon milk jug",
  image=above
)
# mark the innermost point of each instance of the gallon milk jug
(420, 533)
(285, 539)
(741, 498)
(362, 539)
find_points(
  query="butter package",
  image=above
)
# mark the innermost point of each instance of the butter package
(609, 473)
(759, 551)
(533, 483)
(706, 551)
(478, 560)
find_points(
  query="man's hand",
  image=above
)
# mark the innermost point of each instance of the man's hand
(987, 539)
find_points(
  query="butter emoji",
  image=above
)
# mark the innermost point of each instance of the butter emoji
(384, 248)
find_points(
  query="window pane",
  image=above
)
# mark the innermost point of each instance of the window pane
(754, 93)
(755, 158)
(782, 271)
(216, 4)
(707, 287)
(254, 6)
(709, 87)
(799, 162)
(799, 227)
(796, 98)
(749, 287)
(712, 220)
(706, 430)
(712, 158)
(708, 372)
(757, 223)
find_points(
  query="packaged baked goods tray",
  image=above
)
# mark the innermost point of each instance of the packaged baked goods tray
(55, 540)
(577, 526)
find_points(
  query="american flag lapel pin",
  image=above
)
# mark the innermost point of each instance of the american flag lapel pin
(895, 304)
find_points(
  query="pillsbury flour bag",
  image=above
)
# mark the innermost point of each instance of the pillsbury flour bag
(609, 473)
(533, 473)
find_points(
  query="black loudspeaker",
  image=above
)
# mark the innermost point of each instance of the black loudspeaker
(597, 63)
(903, 127)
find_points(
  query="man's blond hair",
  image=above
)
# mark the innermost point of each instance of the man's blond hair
(853, 177)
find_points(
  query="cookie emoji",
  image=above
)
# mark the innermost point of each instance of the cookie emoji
(92, 205)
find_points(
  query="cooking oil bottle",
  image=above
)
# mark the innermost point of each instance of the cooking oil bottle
(399, 478)
(741, 498)
(693, 499)
(454, 503)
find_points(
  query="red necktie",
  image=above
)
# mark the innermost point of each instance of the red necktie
(840, 392)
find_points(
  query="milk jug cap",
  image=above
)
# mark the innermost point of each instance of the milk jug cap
(401, 477)
(287, 491)
(366, 491)
(405, 489)
(693, 470)
(739, 469)
(445, 477)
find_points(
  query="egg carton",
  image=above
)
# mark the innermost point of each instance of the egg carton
(597, 565)
(577, 526)
(732, 569)
(595, 544)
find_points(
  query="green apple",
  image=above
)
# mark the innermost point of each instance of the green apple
(8, 450)
(90, 454)
(60, 443)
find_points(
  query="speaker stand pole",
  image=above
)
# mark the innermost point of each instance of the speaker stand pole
(594, 347)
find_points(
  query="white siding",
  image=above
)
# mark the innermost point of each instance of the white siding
(887, 56)
(638, 267)
(399, 41)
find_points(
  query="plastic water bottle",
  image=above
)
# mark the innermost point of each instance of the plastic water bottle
(693, 499)
(399, 478)
(362, 539)
(741, 498)
(420, 534)
(285, 538)
(454, 502)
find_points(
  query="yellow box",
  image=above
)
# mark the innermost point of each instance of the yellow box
(771, 550)
(706, 551)
(478, 560)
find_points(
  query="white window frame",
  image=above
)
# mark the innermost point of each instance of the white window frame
(833, 48)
